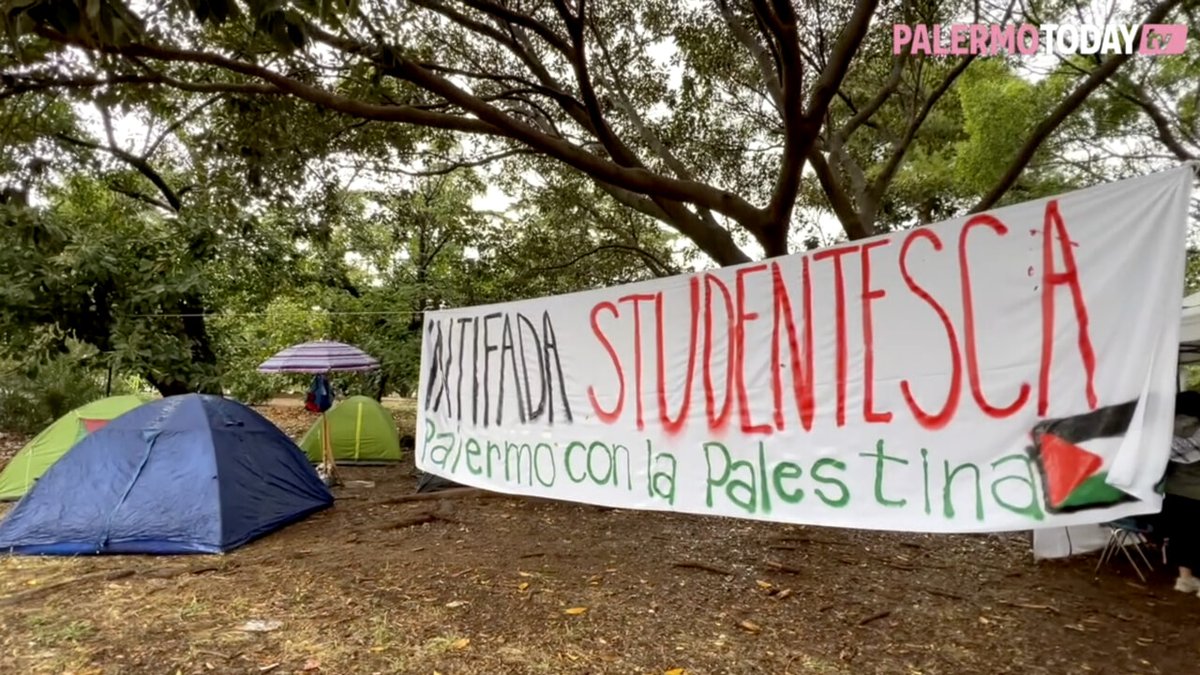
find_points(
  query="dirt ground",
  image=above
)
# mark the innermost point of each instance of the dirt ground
(497, 584)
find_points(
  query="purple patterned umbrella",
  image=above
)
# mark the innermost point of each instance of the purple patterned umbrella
(322, 356)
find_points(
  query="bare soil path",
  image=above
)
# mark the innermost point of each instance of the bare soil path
(496, 584)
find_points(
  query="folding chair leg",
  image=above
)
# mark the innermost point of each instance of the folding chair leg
(1138, 547)
(1106, 552)
(1133, 563)
(1124, 541)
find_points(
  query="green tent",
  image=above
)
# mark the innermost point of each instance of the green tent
(361, 431)
(55, 440)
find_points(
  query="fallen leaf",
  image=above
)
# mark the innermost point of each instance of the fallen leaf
(750, 626)
(783, 594)
(764, 584)
(378, 648)
(524, 574)
(260, 626)
(454, 604)
(460, 643)
(523, 585)
(575, 611)
(676, 671)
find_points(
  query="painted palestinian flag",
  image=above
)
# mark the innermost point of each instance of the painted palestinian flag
(1073, 455)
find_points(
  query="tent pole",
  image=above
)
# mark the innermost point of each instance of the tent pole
(358, 432)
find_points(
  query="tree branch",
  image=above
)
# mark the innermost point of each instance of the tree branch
(134, 194)
(634, 178)
(635, 118)
(322, 97)
(844, 50)
(635, 201)
(106, 118)
(801, 127)
(714, 240)
(780, 19)
(765, 63)
(1068, 105)
(708, 222)
(510, 17)
(577, 55)
(656, 266)
(518, 45)
(491, 122)
(174, 126)
(138, 163)
(884, 178)
(889, 87)
(19, 85)
(1141, 98)
(838, 199)
(465, 164)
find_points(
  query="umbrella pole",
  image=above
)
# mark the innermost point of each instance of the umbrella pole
(327, 452)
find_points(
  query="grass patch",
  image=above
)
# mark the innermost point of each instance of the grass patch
(46, 631)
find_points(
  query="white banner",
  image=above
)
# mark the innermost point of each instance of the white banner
(1014, 370)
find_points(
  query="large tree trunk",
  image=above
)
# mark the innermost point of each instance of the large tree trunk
(196, 330)
(169, 387)
(204, 358)
(383, 383)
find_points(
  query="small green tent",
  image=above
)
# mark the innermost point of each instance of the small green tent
(55, 440)
(361, 431)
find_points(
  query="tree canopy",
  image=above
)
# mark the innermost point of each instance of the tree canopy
(186, 187)
(704, 116)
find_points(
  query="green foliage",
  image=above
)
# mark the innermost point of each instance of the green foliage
(993, 139)
(35, 394)
(689, 91)
(91, 265)
(566, 237)
(92, 22)
(390, 330)
(1192, 275)
(240, 204)
(246, 341)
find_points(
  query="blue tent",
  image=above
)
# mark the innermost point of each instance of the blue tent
(185, 474)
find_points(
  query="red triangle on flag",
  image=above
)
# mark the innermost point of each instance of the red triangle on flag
(94, 425)
(1067, 466)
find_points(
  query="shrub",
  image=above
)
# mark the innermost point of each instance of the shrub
(33, 397)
